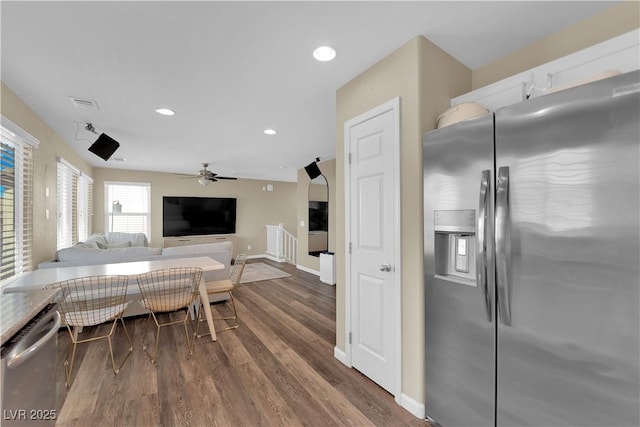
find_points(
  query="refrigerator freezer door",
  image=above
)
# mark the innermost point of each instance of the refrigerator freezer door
(459, 332)
(570, 356)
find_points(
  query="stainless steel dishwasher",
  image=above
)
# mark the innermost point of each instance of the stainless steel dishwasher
(28, 370)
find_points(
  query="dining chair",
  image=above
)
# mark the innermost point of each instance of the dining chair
(165, 291)
(90, 301)
(225, 286)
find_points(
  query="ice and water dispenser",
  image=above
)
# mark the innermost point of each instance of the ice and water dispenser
(455, 246)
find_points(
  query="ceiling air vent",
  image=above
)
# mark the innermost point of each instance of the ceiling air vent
(85, 104)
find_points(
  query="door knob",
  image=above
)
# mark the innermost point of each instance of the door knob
(385, 267)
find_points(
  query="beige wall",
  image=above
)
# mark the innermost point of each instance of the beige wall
(613, 22)
(328, 169)
(425, 78)
(45, 171)
(255, 207)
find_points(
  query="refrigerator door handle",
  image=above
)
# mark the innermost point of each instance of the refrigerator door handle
(503, 245)
(482, 229)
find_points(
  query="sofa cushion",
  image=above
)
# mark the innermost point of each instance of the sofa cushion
(79, 245)
(136, 239)
(124, 244)
(97, 239)
(87, 245)
(104, 256)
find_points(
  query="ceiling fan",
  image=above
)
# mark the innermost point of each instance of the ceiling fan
(206, 177)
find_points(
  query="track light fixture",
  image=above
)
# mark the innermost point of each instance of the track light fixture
(104, 146)
(312, 169)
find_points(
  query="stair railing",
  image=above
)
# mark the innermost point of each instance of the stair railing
(281, 245)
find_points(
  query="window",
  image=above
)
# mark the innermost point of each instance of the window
(16, 200)
(128, 207)
(75, 196)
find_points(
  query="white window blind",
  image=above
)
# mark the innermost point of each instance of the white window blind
(128, 207)
(85, 207)
(66, 200)
(75, 197)
(16, 200)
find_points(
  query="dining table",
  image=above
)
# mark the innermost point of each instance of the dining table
(38, 279)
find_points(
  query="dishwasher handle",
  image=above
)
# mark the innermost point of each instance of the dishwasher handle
(17, 356)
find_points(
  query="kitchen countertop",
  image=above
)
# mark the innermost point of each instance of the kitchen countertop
(17, 309)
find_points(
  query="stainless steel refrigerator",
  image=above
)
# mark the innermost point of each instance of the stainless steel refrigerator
(532, 254)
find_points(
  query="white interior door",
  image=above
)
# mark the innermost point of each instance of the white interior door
(372, 141)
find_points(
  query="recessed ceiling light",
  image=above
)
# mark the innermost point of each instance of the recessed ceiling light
(165, 111)
(270, 131)
(324, 53)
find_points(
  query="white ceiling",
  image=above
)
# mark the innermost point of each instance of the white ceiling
(232, 69)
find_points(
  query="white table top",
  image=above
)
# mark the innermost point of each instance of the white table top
(37, 279)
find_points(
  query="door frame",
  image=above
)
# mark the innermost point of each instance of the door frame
(394, 106)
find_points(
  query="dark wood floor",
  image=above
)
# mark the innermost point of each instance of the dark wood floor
(277, 368)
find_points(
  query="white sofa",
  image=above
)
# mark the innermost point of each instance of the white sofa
(88, 253)
(117, 240)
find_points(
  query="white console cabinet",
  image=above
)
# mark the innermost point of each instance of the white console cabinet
(169, 242)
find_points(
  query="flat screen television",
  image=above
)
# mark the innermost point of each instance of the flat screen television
(192, 216)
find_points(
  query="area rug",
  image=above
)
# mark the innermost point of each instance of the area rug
(257, 271)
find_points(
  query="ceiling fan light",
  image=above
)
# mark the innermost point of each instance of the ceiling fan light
(204, 181)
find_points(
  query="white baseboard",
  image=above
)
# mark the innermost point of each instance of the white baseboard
(308, 270)
(272, 258)
(340, 355)
(414, 407)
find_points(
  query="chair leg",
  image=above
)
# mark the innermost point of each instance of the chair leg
(190, 342)
(113, 362)
(234, 317)
(186, 332)
(126, 332)
(111, 333)
(68, 367)
(235, 312)
(144, 337)
(73, 333)
(198, 320)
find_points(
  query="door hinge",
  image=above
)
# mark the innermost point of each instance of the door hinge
(350, 337)
(349, 247)
(349, 158)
